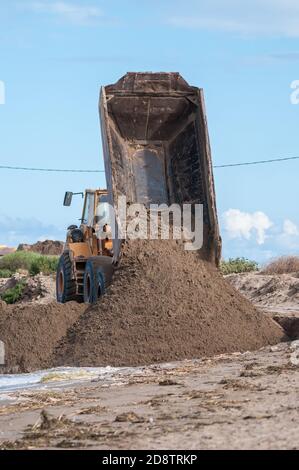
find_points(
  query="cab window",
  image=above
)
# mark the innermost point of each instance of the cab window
(88, 213)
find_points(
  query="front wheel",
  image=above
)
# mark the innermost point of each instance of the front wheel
(93, 283)
(65, 284)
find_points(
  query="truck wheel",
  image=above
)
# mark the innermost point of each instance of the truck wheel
(65, 285)
(92, 288)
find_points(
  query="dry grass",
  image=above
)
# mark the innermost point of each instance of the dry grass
(283, 265)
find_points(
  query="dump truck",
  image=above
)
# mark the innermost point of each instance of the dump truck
(156, 151)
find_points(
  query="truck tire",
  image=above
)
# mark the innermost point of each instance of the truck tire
(93, 283)
(65, 284)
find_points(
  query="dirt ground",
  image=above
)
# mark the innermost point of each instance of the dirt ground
(237, 401)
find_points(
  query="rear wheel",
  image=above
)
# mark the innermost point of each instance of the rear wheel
(65, 284)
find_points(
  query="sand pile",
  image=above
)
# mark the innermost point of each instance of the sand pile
(30, 333)
(165, 304)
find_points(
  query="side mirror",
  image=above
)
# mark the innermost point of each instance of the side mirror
(68, 198)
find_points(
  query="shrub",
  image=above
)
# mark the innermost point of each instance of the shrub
(32, 262)
(5, 273)
(44, 264)
(282, 265)
(238, 265)
(12, 295)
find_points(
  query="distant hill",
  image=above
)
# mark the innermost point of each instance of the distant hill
(5, 250)
(47, 247)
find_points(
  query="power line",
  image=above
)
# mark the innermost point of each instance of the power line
(60, 170)
(258, 162)
(5, 167)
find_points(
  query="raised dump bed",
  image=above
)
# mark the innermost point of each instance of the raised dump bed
(156, 147)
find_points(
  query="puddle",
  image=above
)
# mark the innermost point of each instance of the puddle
(65, 376)
(60, 376)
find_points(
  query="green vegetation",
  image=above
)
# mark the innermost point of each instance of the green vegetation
(5, 273)
(44, 264)
(12, 295)
(238, 265)
(32, 262)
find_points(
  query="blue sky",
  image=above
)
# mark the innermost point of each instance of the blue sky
(54, 55)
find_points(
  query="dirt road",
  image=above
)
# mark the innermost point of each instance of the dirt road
(238, 401)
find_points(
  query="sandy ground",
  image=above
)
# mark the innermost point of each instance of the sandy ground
(273, 293)
(238, 401)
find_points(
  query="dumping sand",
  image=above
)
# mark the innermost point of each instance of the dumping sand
(165, 304)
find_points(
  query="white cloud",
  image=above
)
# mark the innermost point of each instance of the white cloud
(288, 238)
(254, 236)
(245, 225)
(290, 229)
(264, 17)
(70, 12)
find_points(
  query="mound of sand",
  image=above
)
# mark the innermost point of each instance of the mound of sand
(30, 333)
(165, 304)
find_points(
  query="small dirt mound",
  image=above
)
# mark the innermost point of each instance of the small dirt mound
(165, 304)
(30, 333)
